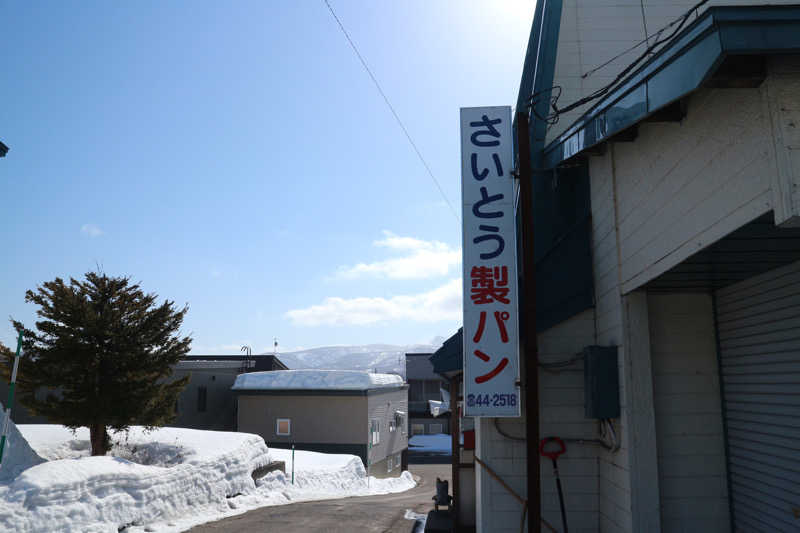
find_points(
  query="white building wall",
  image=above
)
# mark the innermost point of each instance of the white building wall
(691, 444)
(562, 415)
(614, 468)
(682, 186)
(592, 32)
(383, 406)
(676, 189)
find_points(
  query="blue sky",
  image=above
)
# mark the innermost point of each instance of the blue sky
(237, 157)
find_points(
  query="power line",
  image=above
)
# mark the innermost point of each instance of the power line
(679, 22)
(644, 22)
(391, 108)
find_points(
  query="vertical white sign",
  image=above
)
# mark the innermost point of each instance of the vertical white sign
(491, 340)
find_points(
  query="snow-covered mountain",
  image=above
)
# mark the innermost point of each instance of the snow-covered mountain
(386, 358)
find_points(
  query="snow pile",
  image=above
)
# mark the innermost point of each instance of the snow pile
(419, 520)
(378, 357)
(190, 477)
(321, 476)
(106, 493)
(434, 444)
(317, 476)
(17, 454)
(315, 379)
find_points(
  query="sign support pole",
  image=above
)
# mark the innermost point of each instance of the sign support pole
(528, 311)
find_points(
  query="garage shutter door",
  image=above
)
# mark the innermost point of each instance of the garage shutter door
(759, 334)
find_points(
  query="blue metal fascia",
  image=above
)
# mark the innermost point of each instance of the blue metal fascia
(678, 69)
(448, 358)
(544, 72)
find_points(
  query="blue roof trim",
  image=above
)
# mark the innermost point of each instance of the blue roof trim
(679, 68)
(449, 358)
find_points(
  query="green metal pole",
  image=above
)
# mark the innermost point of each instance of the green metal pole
(11, 387)
(292, 464)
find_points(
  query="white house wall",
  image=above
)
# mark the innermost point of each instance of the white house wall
(614, 469)
(677, 188)
(382, 406)
(562, 414)
(592, 32)
(691, 445)
(682, 186)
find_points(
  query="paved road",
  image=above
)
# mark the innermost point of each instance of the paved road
(363, 514)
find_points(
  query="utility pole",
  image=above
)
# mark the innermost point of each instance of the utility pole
(530, 348)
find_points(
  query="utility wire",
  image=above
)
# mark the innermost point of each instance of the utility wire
(391, 108)
(644, 22)
(680, 22)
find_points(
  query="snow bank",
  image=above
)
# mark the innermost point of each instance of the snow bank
(438, 443)
(191, 477)
(106, 493)
(317, 476)
(17, 455)
(316, 379)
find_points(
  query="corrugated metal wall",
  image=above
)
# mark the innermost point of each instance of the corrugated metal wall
(759, 337)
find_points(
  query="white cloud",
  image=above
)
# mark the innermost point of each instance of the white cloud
(442, 303)
(422, 259)
(91, 230)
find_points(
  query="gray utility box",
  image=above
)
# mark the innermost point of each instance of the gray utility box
(601, 382)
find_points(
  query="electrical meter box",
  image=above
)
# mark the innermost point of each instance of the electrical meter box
(601, 382)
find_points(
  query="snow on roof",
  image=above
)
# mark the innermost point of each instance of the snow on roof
(316, 380)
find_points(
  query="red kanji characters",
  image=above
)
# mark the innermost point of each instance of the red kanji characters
(489, 284)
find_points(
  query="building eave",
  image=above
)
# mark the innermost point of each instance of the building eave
(680, 67)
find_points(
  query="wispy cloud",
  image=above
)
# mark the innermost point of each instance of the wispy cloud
(421, 259)
(442, 303)
(91, 230)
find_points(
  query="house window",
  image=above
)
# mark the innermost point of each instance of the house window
(283, 427)
(434, 429)
(431, 388)
(202, 396)
(415, 390)
(375, 431)
(417, 429)
(389, 464)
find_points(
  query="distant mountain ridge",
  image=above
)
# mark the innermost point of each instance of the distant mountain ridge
(383, 358)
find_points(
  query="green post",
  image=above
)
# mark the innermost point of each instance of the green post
(11, 387)
(292, 464)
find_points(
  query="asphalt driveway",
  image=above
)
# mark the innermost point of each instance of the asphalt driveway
(362, 514)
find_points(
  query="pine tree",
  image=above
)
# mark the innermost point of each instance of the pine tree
(103, 350)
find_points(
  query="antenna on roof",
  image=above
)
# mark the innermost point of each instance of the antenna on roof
(248, 354)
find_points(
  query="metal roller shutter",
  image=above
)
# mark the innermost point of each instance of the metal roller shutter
(758, 321)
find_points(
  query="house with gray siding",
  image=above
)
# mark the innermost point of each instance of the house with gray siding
(330, 411)
(207, 401)
(424, 385)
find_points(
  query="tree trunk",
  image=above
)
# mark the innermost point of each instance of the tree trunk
(99, 438)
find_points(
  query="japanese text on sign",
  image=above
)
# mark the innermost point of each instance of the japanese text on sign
(491, 360)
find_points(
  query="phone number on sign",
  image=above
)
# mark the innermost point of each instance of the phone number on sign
(494, 400)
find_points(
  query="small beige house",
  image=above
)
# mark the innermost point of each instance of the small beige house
(330, 411)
